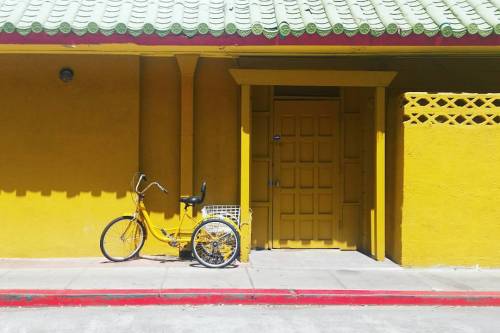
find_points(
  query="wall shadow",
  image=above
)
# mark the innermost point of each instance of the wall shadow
(73, 137)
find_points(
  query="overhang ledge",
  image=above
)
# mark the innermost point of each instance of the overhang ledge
(302, 77)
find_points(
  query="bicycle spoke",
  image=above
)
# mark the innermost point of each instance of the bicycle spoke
(205, 234)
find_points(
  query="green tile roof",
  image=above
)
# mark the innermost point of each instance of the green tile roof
(244, 17)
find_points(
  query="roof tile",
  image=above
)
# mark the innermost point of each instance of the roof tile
(245, 17)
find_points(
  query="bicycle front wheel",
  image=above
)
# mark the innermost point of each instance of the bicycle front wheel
(216, 243)
(122, 238)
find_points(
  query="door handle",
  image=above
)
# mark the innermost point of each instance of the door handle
(273, 183)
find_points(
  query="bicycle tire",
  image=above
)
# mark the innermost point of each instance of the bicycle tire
(134, 226)
(200, 250)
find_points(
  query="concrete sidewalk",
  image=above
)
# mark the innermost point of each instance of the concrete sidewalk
(277, 269)
(325, 270)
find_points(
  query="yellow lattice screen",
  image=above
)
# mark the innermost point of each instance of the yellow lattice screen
(451, 109)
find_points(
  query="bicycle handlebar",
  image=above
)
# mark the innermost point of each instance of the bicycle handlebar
(142, 177)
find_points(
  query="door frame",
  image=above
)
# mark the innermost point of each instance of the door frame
(269, 77)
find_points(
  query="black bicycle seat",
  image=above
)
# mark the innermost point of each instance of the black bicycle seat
(194, 200)
(191, 200)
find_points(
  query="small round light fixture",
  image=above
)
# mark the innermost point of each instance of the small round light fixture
(66, 74)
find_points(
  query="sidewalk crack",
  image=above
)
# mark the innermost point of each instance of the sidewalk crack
(447, 281)
(165, 275)
(421, 279)
(5, 273)
(75, 277)
(249, 278)
(337, 279)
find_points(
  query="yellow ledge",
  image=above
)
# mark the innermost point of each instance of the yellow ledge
(231, 51)
(270, 77)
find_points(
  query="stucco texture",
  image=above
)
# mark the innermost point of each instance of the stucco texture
(159, 148)
(451, 192)
(68, 151)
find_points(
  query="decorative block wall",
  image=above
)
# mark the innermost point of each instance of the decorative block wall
(449, 182)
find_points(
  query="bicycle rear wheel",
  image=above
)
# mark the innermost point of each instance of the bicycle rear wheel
(122, 238)
(216, 243)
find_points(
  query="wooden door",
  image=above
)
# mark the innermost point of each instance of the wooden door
(306, 173)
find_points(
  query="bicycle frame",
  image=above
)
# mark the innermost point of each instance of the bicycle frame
(172, 236)
(166, 235)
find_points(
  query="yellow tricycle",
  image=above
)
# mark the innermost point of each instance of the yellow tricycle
(215, 241)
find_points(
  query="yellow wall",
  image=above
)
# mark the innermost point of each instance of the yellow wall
(68, 151)
(450, 208)
(159, 143)
(217, 142)
(216, 138)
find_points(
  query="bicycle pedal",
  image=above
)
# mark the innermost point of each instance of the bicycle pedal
(173, 242)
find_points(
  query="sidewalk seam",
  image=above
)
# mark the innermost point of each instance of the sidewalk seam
(447, 281)
(332, 273)
(75, 277)
(418, 278)
(249, 277)
(5, 273)
(165, 276)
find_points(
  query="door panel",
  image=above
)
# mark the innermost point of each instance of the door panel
(306, 173)
(261, 174)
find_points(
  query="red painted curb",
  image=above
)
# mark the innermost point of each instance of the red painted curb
(117, 297)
